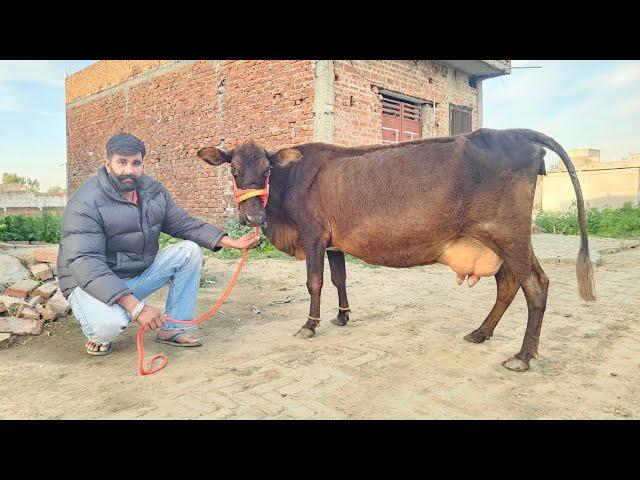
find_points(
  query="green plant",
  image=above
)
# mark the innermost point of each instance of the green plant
(622, 222)
(41, 228)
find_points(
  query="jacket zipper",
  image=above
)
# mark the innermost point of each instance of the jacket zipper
(140, 210)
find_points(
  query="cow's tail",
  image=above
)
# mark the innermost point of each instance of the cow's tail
(584, 268)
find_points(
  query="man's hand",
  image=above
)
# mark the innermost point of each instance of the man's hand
(249, 240)
(150, 318)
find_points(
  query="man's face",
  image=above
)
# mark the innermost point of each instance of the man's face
(125, 171)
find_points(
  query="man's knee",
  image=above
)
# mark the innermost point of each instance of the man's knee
(192, 251)
(110, 327)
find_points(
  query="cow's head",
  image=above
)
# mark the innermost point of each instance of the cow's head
(250, 166)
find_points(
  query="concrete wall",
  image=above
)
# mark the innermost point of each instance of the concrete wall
(30, 203)
(600, 187)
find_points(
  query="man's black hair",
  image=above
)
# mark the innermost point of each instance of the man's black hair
(124, 144)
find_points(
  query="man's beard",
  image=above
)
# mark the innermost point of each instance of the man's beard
(118, 183)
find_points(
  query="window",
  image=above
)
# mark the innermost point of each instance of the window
(401, 120)
(459, 120)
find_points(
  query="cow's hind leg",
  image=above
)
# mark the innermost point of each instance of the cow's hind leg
(339, 279)
(507, 287)
(535, 286)
(315, 271)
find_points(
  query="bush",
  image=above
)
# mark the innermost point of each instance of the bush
(43, 228)
(623, 222)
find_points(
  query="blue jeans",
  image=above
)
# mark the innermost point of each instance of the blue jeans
(178, 264)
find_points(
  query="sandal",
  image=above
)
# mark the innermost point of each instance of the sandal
(100, 352)
(173, 341)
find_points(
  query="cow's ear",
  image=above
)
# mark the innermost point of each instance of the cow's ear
(285, 157)
(215, 156)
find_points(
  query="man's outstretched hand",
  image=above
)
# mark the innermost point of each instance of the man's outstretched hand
(249, 240)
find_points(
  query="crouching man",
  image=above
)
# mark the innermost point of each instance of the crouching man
(108, 260)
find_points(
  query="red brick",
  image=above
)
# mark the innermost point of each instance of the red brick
(46, 290)
(46, 255)
(59, 304)
(20, 326)
(41, 271)
(49, 315)
(27, 312)
(21, 289)
(36, 300)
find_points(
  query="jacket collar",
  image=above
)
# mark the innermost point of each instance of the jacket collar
(146, 184)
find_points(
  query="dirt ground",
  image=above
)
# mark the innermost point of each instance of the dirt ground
(401, 356)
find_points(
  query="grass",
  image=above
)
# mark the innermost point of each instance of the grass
(622, 222)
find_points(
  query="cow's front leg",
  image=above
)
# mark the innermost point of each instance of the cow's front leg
(315, 270)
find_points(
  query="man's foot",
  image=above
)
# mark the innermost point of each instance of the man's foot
(97, 348)
(177, 338)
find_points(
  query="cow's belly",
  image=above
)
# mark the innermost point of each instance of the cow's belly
(467, 256)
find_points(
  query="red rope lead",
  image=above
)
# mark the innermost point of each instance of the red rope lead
(202, 318)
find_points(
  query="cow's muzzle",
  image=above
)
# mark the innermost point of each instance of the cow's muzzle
(256, 219)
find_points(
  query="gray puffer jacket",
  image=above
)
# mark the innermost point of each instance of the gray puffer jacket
(105, 237)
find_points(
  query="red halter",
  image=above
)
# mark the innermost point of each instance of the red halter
(240, 195)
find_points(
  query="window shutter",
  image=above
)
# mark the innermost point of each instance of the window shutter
(401, 120)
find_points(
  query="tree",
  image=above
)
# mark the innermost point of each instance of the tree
(27, 182)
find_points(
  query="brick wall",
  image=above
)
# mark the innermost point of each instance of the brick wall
(183, 106)
(358, 119)
(177, 107)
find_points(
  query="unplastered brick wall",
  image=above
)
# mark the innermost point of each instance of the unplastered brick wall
(357, 108)
(180, 107)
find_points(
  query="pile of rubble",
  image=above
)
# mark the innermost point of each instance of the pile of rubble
(29, 291)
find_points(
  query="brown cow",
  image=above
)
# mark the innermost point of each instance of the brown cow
(464, 201)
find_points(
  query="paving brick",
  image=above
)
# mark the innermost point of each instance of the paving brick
(21, 289)
(20, 326)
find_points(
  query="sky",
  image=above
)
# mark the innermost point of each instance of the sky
(32, 118)
(582, 104)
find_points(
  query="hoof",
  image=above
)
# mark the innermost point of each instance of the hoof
(339, 321)
(515, 364)
(476, 337)
(305, 333)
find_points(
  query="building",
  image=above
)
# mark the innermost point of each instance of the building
(602, 183)
(177, 107)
